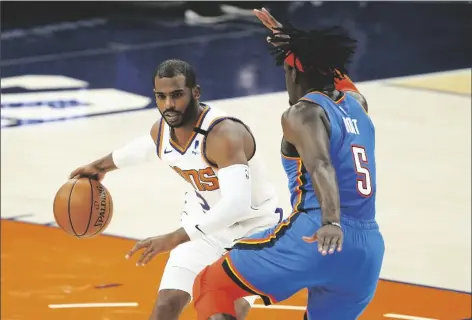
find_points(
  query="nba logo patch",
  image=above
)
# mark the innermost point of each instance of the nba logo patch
(197, 143)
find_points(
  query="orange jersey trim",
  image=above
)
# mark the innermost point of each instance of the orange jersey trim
(184, 149)
(345, 84)
(160, 136)
(244, 284)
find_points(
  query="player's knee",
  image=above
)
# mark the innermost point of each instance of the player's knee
(170, 304)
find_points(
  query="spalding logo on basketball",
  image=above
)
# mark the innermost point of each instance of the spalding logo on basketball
(83, 207)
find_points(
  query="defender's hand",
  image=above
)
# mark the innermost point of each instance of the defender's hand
(270, 23)
(330, 238)
(267, 19)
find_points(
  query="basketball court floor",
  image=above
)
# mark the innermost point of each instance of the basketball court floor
(54, 119)
(423, 206)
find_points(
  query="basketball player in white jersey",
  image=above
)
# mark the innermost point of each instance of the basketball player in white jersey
(216, 155)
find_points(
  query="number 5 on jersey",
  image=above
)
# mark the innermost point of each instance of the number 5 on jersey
(364, 181)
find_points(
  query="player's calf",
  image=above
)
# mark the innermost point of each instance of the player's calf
(242, 308)
(169, 304)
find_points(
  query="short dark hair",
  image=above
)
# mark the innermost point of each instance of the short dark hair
(322, 53)
(174, 67)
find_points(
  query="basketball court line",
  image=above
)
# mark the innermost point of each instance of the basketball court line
(421, 75)
(300, 308)
(456, 82)
(432, 90)
(278, 307)
(405, 317)
(256, 306)
(93, 305)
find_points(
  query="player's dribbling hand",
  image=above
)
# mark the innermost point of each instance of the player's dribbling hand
(88, 171)
(330, 239)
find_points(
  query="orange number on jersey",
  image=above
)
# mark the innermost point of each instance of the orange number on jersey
(181, 173)
(192, 177)
(364, 182)
(202, 180)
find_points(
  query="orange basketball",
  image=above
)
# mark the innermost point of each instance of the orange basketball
(83, 207)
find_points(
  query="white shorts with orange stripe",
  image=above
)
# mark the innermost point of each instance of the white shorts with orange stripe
(189, 259)
(185, 263)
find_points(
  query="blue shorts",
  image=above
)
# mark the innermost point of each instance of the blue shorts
(277, 263)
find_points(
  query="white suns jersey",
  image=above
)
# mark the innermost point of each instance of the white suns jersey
(190, 163)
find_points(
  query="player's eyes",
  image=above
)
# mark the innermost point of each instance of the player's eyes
(174, 96)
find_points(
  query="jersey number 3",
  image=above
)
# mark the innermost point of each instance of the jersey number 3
(204, 203)
(364, 182)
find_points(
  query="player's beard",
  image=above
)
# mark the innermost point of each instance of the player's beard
(186, 117)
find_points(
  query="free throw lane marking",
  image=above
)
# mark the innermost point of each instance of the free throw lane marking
(405, 317)
(93, 305)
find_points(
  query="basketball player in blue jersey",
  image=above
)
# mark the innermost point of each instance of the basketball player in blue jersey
(230, 196)
(331, 243)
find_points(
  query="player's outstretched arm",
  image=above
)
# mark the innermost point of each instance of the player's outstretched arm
(306, 126)
(135, 152)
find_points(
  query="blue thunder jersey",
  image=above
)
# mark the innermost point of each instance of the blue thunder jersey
(352, 151)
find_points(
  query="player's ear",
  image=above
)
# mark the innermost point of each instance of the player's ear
(291, 73)
(295, 75)
(196, 92)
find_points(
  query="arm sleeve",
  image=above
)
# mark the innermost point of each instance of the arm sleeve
(136, 152)
(234, 205)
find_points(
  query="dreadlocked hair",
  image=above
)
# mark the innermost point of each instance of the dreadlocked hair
(322, 53)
